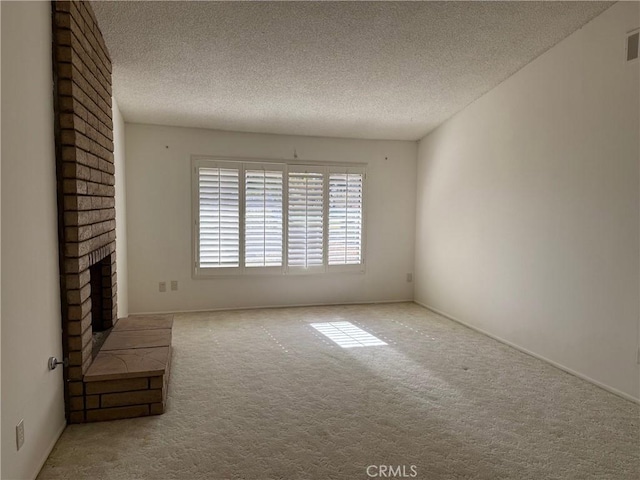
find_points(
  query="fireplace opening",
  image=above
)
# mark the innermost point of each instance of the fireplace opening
(101, 319)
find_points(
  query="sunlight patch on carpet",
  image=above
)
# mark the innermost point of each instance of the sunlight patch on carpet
(347, 335)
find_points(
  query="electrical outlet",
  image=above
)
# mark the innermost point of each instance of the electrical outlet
(409, 277)
(20, 434)
(638, 356)
(174, 285)
(162, 286)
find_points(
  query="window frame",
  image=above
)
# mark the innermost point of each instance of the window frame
(316, 269)
(286, 166)
(219, 271)
(358, 267)
(262, 166)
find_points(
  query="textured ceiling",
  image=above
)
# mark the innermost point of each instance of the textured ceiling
(386, 70)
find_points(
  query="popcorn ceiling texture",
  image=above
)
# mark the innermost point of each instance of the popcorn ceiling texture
(260, 394)
(385, 70)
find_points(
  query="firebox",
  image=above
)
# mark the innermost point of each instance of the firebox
(101, 302)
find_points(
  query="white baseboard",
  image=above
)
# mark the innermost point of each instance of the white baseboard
(49, 449)
(615, 391)
(228, 309)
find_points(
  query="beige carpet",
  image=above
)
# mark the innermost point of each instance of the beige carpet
(262, 395)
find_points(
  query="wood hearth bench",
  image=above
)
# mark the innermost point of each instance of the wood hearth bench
(129, 376)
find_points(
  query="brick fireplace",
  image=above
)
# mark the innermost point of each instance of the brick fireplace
(128, 376)
(86, 192)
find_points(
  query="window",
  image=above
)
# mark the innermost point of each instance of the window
(260, 217)
(345, 218)
(306, 219)
(219, 217)
(263, 218)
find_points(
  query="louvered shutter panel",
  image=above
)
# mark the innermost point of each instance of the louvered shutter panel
(305, 218)
(219, 217)
(263, 216)
(345, 217)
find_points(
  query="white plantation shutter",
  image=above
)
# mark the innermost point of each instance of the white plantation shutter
(218, 217)
(305, 218)
(263, 236)
(345, 216)
(241, 211)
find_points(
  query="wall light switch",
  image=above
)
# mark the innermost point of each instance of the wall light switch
(174, 285)
(409, 277)
(162, 286)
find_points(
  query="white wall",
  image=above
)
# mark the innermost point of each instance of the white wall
(31, 326)
(528, 207)
(159, 220)
(121, 212)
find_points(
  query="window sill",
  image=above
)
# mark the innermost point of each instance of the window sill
(208, 275)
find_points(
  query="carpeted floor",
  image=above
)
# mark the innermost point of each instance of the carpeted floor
(261, 394)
